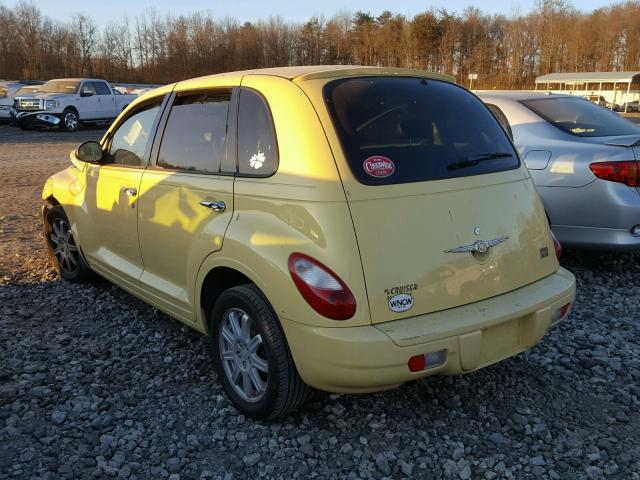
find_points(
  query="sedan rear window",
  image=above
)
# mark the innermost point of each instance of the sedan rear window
(580, 117)
(402, 129)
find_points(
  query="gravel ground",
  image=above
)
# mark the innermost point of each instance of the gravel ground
(96, 384)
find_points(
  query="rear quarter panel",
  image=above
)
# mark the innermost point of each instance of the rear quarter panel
(301, 208)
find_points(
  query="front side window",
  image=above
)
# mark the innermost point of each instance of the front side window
(257, 148)
(195, 138)
(101, 88)
(131, 138)
(88, 88)
(580, 117)
(402, 129)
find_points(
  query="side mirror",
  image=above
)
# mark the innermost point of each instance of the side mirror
(86, 93)
(90, 152)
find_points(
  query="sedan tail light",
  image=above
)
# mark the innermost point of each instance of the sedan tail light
(556, 246)
(627, 172)
(323, 290)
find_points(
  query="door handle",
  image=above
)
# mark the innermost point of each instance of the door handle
(130, 191)
(216, 206)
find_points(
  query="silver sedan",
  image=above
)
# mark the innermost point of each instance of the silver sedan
(585, 162)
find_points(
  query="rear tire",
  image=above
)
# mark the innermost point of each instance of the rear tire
(251, 355)
(63, 249)
(70, 120)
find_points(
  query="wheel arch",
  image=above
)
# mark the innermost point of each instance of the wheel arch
(71, 107)
(214, 277)
(47, 204)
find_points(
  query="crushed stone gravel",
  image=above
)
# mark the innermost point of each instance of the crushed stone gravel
(96, 384)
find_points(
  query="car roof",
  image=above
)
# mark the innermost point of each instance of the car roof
(77, 79)
(309, 72)
(519, 94)
(296, 74)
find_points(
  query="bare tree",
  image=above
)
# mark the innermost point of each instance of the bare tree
(506, 52)
(86, 34)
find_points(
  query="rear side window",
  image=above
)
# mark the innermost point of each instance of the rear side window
(195, 138)
(400, 130)
(257, 148)
(580, 117)
(101, 88)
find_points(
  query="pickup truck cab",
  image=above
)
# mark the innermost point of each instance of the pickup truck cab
(69, 102)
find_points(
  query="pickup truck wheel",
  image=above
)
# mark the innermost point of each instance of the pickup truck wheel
(251, 355)
(63, 250)
(70, 120)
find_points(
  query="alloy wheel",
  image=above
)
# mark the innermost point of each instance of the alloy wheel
(243, 356)
(71, 121)
(63, 246)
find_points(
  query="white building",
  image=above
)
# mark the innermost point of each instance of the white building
(614, 88)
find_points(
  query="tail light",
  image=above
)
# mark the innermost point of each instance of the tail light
(556, 246)
(560, 314)
(323, 290)
(424, 361)
(627, 172)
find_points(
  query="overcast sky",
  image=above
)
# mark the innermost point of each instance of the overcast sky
(245, 10)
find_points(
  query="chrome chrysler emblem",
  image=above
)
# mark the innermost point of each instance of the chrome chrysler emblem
(480, 246)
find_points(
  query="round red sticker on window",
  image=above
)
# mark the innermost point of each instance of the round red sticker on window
(378, 166)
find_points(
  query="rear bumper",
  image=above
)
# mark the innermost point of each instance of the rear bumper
(374, 357)
(591, 238)
(596, 216)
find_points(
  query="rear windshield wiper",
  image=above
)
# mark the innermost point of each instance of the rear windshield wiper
(470, 162)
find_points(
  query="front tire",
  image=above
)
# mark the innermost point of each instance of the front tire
(70, 120)
(63, 250)
(251, 355)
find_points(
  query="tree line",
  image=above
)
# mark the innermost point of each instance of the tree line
(505, 51)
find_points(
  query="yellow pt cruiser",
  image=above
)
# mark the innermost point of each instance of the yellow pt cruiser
(342, 228)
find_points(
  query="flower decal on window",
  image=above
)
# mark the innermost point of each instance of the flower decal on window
(257, 160)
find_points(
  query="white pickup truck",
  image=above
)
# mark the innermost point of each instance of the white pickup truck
(68, 103)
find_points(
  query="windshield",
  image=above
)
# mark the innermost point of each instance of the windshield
(400, 130)
(59, 86)
(580, 117)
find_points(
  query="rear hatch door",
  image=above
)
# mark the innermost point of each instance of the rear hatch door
(443, 210)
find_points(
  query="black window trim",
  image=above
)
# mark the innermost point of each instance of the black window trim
(231, 132)
(106, 141)
(275, 137)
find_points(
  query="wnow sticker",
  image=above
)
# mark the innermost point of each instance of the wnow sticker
(401, 302)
